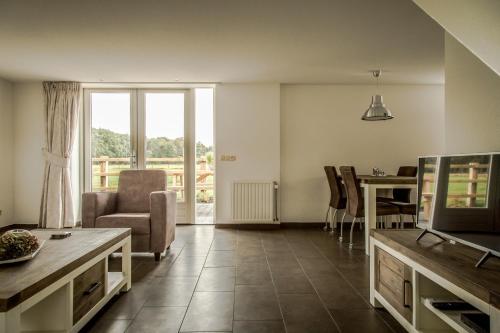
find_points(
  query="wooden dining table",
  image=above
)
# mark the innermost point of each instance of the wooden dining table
(370, 185)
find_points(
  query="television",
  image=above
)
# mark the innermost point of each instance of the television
(459, 199)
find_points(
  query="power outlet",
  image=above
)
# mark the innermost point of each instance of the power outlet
(228, 158)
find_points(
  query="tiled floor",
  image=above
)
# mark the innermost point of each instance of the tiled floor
(221, 280)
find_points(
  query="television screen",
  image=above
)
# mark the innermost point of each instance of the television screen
(459, 198)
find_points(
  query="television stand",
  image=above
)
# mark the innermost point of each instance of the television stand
(485, 258)
(407, 277)
(426, 231)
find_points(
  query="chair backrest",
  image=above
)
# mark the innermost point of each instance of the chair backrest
(401, 194)
(355, 202)
(335, 186)
(134, 188)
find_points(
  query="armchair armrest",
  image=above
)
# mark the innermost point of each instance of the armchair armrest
(163, 210)
(95, 204)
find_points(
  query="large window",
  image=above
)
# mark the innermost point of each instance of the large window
(165, 129)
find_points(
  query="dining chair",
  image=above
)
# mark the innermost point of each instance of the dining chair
(338, 199)
(401, 196)
(355, 201)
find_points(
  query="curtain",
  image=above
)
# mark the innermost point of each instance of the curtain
(62, 106)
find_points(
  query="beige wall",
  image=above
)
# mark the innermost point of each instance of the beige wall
(321, 125)
(472, 102)
(247, 125)
(28, 131)
(6, 153)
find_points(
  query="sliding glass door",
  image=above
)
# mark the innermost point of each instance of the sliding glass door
(163, 116)
(140, 129)
(112, 137)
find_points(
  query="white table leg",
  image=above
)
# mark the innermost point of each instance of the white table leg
(494, 319)
(370, 213)
(127, 263)
(10, 321)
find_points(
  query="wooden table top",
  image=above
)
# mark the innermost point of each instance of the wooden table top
(389, 179)
(454, 262)
(20, 281)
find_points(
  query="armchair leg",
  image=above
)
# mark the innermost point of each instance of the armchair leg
(157, 256)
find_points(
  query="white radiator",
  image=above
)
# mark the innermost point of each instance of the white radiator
(255, 202)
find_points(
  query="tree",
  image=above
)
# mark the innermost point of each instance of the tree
(111, 144)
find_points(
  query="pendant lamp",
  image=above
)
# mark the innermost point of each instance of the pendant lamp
(377, 109)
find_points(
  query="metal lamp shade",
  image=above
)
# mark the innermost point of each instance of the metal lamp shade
(377, 110)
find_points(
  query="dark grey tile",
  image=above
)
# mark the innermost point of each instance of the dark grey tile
(293, 284)
(254, 274)
(209, 311)
(217, 279)
(224, 244)
(256, 303)
(272, 326)
(220, 259)
(124, 306)
(187, 266)
(158, 319)
(172, 291)
(107, 326)
(318, 267)
(355, 321)
(338, 294)
(305, 313)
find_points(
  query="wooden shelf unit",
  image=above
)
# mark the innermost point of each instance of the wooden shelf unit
(431, 269)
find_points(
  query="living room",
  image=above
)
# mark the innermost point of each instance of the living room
(253, 101)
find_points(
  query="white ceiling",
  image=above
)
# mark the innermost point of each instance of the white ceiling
(287, 41)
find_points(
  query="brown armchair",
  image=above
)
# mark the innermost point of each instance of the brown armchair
(142, 204)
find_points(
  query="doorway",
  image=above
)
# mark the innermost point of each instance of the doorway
(153, 129)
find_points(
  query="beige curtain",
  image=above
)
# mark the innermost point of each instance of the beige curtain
(62, 106)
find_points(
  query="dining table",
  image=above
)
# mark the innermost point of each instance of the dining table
(370, 184)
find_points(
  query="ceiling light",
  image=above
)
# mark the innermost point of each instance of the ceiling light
(377, 109)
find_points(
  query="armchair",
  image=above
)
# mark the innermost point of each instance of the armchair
(141, 203)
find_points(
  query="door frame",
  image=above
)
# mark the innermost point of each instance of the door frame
(137, 137)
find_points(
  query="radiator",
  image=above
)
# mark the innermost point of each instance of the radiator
(255, 202)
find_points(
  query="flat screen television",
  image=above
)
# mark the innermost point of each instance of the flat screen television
(459, 199)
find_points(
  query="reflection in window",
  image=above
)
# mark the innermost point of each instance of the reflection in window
(468, 181)
(427, 187)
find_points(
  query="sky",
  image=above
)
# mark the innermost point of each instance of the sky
(164, 114)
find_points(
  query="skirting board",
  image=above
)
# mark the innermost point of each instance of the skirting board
(248, 226)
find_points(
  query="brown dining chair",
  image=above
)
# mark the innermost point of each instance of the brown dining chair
(401, 196)
(338, 199)
(355, 201)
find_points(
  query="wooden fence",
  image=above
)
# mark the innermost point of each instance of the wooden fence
(174, 167)
(472, 182)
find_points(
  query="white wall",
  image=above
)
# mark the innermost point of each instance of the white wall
(6, 153)
(476, 24)
(472, 102)
(321, 125)
(247, 125)
(28, 159)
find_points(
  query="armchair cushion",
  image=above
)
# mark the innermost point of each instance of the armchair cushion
(95, 204)
(138, 222)
(134, 188)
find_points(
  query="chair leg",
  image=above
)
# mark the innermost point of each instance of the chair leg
(401, 221)
(342, 226)
(157, 256)
(333, 222)
(350, 236)
(325, 228)
(413, 218)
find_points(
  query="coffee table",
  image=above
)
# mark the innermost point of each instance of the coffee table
(66, 284)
